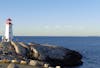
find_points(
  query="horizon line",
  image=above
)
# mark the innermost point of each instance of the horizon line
(53, 36)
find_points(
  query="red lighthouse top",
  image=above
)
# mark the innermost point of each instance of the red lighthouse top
(8, 21)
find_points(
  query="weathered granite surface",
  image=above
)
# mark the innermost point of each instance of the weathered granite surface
(12, 66)
(39, 54)
(56, 55)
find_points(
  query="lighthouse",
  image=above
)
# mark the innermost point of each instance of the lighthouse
(8, 31)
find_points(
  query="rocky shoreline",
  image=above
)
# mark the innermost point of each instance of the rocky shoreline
(33, 54)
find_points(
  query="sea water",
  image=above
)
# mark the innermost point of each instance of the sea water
(89, 47)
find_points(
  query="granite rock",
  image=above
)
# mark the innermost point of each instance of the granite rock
(56, 55)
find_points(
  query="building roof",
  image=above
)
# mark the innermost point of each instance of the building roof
(9, 21)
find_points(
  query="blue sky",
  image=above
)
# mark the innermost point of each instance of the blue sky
(51, 17)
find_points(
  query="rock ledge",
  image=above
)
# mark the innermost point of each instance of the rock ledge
(38, 54)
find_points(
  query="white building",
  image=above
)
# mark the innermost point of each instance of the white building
(8, 32)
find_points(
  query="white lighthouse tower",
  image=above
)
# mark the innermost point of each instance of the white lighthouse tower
(8, 32)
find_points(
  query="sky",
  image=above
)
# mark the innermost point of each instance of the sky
(51, 17)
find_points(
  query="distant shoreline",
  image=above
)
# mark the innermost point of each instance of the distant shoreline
(55, 36)
(60, 36)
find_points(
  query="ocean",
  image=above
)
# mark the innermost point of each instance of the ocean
(89, 47)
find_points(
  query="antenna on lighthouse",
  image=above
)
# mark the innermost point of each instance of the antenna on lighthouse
(8, 32)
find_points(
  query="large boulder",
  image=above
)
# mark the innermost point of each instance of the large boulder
(56, 55)
(36, 63)
(11, 65)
